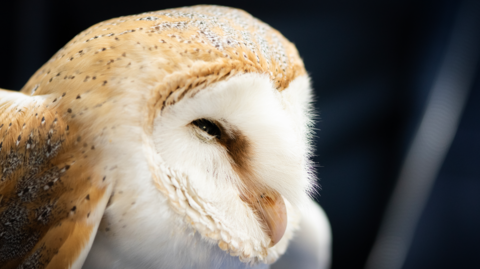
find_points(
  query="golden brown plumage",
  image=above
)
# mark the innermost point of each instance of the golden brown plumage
(46, 193)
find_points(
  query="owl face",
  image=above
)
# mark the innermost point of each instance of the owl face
(238, 155)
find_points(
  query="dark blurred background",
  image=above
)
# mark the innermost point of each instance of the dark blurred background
(373, 64)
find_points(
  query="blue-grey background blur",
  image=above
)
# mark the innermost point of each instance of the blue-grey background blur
(372, 65)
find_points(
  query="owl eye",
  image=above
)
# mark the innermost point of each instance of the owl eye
(208, 127)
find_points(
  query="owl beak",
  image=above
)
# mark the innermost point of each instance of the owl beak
(270, 208)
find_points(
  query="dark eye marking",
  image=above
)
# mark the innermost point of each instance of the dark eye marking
(208, 127)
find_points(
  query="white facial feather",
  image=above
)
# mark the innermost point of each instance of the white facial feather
(276, 123)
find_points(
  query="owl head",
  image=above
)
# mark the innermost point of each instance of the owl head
(194, 120)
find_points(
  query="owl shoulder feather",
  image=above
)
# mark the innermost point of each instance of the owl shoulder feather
(50, 208)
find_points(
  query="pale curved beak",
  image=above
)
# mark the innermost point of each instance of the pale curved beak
(270, 208)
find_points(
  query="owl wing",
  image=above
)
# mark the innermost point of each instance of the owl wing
(50, 206)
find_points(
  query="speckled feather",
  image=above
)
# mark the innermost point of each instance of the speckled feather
(46, 194)
(53, 134)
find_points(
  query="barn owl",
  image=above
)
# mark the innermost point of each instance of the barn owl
(170, 139)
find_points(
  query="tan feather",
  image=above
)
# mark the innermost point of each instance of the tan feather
(47, 194)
